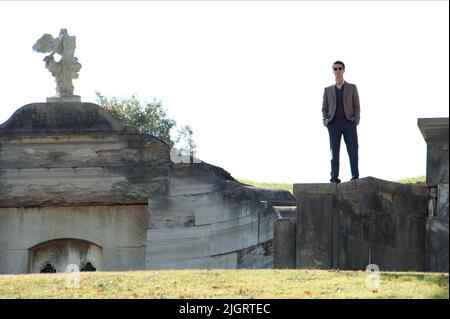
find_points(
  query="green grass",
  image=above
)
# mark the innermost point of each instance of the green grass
(412, 180)
(260, 283)
(289, 187)
(283, 186)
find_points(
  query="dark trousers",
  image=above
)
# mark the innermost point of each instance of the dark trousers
(336, 128)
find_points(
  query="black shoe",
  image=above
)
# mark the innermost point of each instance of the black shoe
(354, 177)
(335, 180)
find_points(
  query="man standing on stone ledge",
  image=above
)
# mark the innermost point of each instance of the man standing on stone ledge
(340, 109)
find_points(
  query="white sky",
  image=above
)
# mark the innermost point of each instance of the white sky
(249, 76)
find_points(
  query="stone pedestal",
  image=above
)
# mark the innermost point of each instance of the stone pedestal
(284, 243)
(435, 133)
(315, 217)
(59, 99)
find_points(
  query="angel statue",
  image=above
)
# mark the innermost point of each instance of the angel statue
(66, 68)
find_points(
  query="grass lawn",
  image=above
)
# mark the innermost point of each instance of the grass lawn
(260, 283)
(283, 186)
(289, 187)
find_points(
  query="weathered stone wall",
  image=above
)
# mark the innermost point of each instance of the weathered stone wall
(203, 223)
(435, 133)
(119, 230)
(370, 221)
(353, 224)
(66, 168)
(284, 243)
(79, 169)
(389, 228)
(437, 244)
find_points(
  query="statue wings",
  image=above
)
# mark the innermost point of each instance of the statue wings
(46, 44)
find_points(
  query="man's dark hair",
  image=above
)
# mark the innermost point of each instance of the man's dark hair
(341, 63)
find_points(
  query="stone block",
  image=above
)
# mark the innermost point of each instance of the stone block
(285, 211)
(284, 239)
(225, 261)
(168, 244)
(385, 229)
(233, 235)
(80, 169)
(356, 227)
(394, 259)
(76, 186)
(437, 261)
(124, 259)
(314, 189)
(442, 209)
(414, 206)
(370, 198)
(437, 233)
(410, 233)
(437, 161)
(14, 261)
(370, 190)
(352, 253)
(343, 222)
(266, 224)
(174, 211)
(348, 225)
(189, 186)
(212, 208)
(63, 151)
(106, 226)
(314, 243)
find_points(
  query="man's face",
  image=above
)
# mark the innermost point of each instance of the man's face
(338, 70)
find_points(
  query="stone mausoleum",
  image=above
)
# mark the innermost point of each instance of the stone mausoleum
(80, 190)
(78, 187)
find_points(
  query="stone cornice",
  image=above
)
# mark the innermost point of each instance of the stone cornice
(433, 128)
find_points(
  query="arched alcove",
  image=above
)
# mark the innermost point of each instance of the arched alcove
(59, 253)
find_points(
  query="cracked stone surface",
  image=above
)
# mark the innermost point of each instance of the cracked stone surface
(70, 170)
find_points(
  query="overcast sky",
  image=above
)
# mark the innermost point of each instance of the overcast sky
(249, 76)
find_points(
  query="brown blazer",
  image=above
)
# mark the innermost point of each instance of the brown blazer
(351, 103)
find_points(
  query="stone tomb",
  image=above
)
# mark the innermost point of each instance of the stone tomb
(78, 187)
